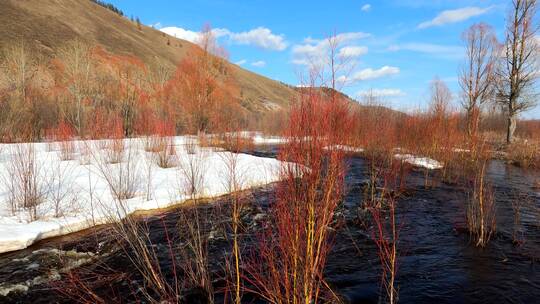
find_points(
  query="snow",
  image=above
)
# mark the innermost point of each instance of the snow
(460, 150)
(87, 199)
(345, 148)
(260, 139)
(417, 161)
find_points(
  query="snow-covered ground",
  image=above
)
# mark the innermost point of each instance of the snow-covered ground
(76, 194)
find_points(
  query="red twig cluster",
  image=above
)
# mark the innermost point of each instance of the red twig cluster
(288, 265)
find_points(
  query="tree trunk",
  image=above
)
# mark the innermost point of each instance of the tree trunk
(511, 128)
(473, 122)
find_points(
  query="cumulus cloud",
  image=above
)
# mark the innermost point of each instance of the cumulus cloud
(314, 51)
(381, 93)
(366, 7)
(258, 64)
(181, 33)
(241, 62)
(260, 37)
(370, 74)
(352, 51)
(454, 16)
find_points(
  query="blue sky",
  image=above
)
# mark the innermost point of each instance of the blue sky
(396, 47)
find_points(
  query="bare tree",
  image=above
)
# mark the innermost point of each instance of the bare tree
(340, 64)
(19, 67)
(440, 97)
(518, 69)
(77, 75)
(477, 74)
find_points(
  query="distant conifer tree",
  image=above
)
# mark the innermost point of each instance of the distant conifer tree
(109, 7)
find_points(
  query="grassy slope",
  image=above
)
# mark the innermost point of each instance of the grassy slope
(48, 24)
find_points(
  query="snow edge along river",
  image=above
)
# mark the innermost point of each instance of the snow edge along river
(88, 200)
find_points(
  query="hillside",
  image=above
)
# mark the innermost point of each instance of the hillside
(358, 105)
(47, 24)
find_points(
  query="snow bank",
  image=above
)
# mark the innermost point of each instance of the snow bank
(417, 161)
(86, 196)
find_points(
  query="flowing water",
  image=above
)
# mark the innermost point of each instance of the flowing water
(437, 261)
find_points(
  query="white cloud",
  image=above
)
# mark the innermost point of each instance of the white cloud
(241, 62)
(351, 36)
(370, 74)
(156, 25)
(315, 51)
(444, 51)
(453, 16)
(181, 33)
(260, 37)
(352, 51)
(258, 64)
(220, 32)
(381, 93)
(366, 8)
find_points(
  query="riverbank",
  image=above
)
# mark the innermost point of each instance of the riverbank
(78, 193)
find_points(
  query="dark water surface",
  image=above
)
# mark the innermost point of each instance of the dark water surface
(437, 263)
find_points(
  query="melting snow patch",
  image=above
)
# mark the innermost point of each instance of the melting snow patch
(345, 148)
(417, 161)
(259, 139)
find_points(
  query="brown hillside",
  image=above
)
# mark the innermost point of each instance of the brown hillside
(46, 25)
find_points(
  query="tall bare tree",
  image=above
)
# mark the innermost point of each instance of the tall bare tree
(19, 67)
(518, 70)
(77, 76)
(441, 96)
(477, 74)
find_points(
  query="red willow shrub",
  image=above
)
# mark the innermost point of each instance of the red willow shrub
(114, 147)
(64, 134)
(161, 142)
(386, 235)
(288, 266)
(202, 91)
(377, 134)
(385, 229)
(481, 204)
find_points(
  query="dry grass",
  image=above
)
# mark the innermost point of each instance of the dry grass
(24, 182)
(524, 154)
(47, 25)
